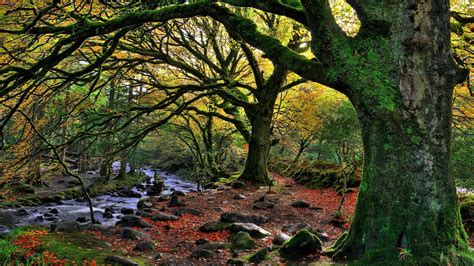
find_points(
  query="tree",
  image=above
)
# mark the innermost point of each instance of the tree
(398, 71)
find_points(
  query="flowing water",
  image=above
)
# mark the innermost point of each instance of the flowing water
(70, 210)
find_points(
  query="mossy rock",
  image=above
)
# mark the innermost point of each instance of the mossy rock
(259, 256)
(467, 211)
(214, 227)
(242, 240)
(300, 245)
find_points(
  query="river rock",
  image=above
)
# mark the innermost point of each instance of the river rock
(181, 211)
(234, 217)
(144, 246)
(54, 211)
(129, 193)
(164, 198)
(259, 256)
(253, 229)
(126, 211)
(280, 238)
(144, 203)
(132, 234)
(143, 214)
(81, 219)
(120, 261)
(176, 202)
(243, 240)
(216, 246)
(22, 212)
(300, 204)
(239, 197)
(214, 227)
(161, 216)
(133, 221)
(64, 226)
(203, 253)
(300, 245)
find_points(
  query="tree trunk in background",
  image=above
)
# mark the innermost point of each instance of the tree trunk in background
(106, 164)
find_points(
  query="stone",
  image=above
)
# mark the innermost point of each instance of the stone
(300, 245)
(181, 211)
(238, 184)
(22, 212)
(259, 256)
(129, 193)
(179, 193)
(126, 211)
(203, 253)
(39, 218)
(119, 261)
(280, 238)
(243, 240)
(144, 203)
(263, 205)
(216, 246)
(109, 209)
(176, 202)
(161, 216)
(239, 197)
(214, 227)
(132, 234)
(107, 215)
(144, 246)
(81, 219)
(234, 217)
(133, 221)
(143, 214)
(300, 204)
(164, 198)
(237, 262)
(54, 211)
(65, 226)
(201, 241)
(253, 229)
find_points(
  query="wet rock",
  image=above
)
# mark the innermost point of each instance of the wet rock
(144, 246)
(144, 203)
(81, 219)
(107, 215)
(22, 212)
(48, 215)
(195, 212)
(253, 229)
(238, 184)
(178, 193)
(243, 240)
(203, 253)
(143, 214)
(132, 234)
(109, 209)
(176, 202)
(214, 227)
(262, 205)
(54, 211)
(161, 216)
(150, 210)
(280, 238)
(216, 246)
(129, 193)
(39, 218)
(65, 226)
(300, 245)
(164, 198)
(259, 256)
(126, 211)
(133, 221)
(94, 227)
(239, 197)
(234, 217)
(294, 228)
(120, 261)
(300, 204)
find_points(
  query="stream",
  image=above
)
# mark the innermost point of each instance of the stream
(70, 210)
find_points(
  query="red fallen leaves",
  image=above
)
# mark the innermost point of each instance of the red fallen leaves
(29, 242)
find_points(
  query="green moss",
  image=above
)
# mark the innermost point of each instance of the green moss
(242, 240)
(300, 245)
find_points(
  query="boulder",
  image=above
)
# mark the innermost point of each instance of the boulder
(203, 253)
(253, 229)
(22, 212)
(181, 211)
(64, 226)
(81, 219)
(126, 211)
(300, 204)
(129, 193)
(234, 217)
(238, 184)
(143, 214)
(161, 216)
(295, 228)
(300, 245)
(263, 203)
(239, 197)
(214, 227)
(119, 261)
(144, 203)
(280, 238)
(243, 240)
(133, 221)
(176, 202)
(132, 234)
(54, 211)
(178, 193)
(259, 256)
(144, 246)
(216, 246)
(164, 198)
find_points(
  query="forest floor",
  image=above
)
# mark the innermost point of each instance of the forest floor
(175, 241)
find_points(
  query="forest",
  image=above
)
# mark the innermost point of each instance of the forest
(236, 132)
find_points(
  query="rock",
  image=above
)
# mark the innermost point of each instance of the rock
(144, 246)
(126, 211)
(237, 262)
(143, 214)
(94, 227)
(22, 212)
(253, 229)
(294, 228)
(48, 215)
(259, 256)
(239, 197)
(164, 198)
(211, 185)
(280, 238)
(107, 215)
(300, 245)
(234, 217)
(201, 241)
(39, 218)
(262, 205)
(120, 261)
(178, 193)
(176, 202)
(161, 216)
(337, 222)
(129, 193)
(216, 246)
(65, 226)
(238, 184)
(144, 203)
(300, 204)
(203, 253)
(219, 209)
(181, 211)
(243, 240)
(133, 221)
(81, 219)
(109, 209)
(54, 211)
(132, 234)
(214, 227)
